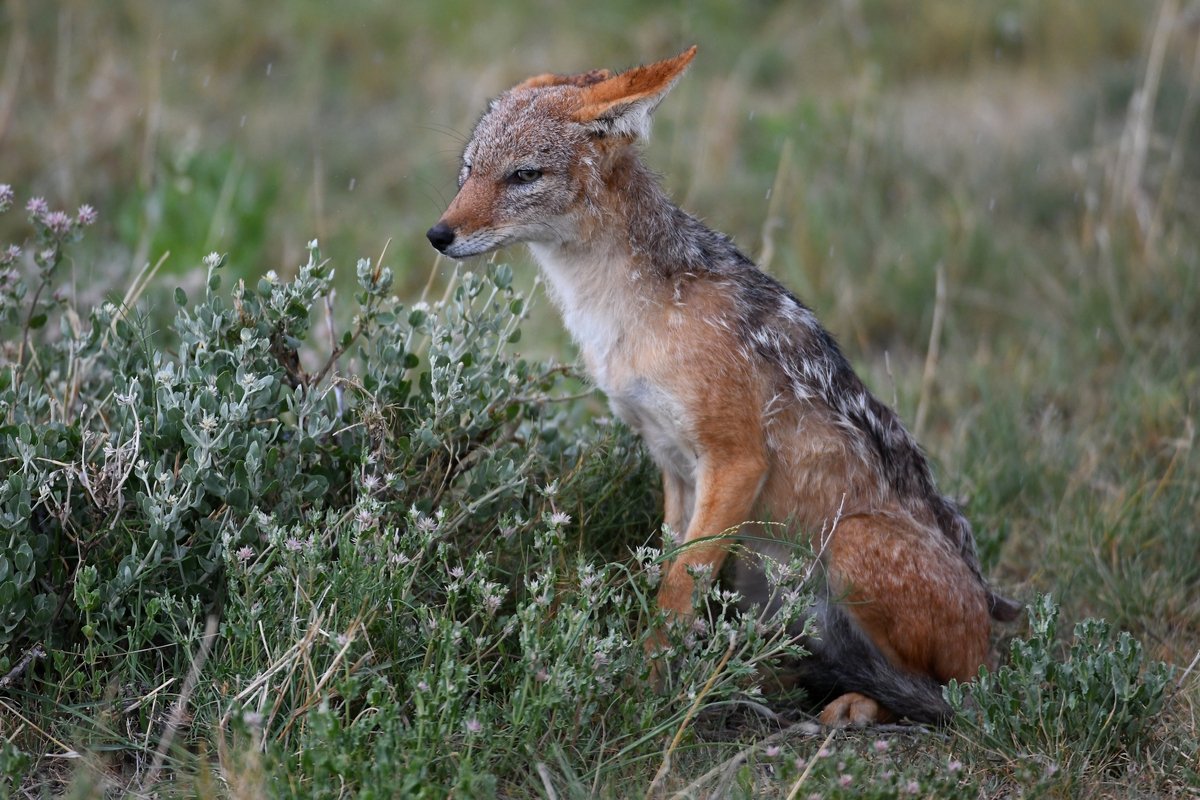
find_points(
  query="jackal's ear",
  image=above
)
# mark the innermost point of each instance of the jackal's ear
(582, 80)
(621, 105)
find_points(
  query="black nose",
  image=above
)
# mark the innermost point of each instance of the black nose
(440, 236)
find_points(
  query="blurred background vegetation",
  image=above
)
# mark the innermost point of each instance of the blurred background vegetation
(203, 126)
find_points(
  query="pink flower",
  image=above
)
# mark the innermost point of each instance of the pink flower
(37, 208)
(87, 215)
(845, 781)
(6, 196)
(881, 745)
(245, 553)
(954, 766)
(474, 726)
(772, 751)
(58, 222)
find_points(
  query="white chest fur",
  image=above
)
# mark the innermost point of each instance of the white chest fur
(662, 424)
(606, 314)
(599, 302)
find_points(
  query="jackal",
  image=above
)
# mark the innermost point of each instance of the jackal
(745, 402)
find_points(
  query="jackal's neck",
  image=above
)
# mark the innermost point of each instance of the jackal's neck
(663, 240)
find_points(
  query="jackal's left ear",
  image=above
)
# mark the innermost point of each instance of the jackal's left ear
(622, 105)
(581, 80)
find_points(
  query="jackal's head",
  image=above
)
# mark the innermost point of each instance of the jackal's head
(533, 165)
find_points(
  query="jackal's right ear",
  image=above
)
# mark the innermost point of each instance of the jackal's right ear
(622, 104)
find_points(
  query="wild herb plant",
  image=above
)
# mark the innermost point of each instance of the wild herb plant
(32, 431)
(400, 530)
(1099, 702)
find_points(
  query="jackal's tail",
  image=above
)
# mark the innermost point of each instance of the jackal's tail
(842, 659)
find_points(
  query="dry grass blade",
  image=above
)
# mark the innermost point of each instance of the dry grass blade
(180, 708)
(1139, 124)
(1189, 669)
(795, 790)
(315, 693)
(1170, 183)
(67, 751)
(547, 783)
(728, 768)
(665, 769)
(773, 220)
(931, 355)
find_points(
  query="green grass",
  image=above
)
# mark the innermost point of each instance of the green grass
(867, 150)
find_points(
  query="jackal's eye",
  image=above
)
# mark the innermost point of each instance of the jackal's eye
(525, 175)
(463, 174)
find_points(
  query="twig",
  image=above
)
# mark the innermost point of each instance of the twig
(337, 353)
(339, 350)
(35, 653)
(33, 305)
(758, 708)
(152, 694)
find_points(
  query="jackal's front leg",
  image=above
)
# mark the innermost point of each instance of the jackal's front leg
(678, 498)
(727, 488)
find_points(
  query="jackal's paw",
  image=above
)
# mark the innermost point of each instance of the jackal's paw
(854, 709)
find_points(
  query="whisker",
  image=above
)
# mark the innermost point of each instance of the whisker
(426, 183)
(445, 130)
